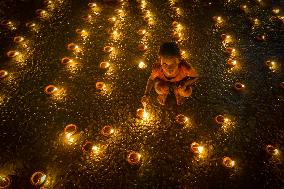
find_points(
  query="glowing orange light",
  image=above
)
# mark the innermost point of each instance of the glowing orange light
(231, 51)
(92, 5)
(261, 38)
(38, 178)
(142, 47)
(6, 23)
(232, 62)
(18, 39)
(5, 182)
(218, 19)
(244, 8)
(70, 129)
(12, 54)
(112, 19)
(66, 60)
(227, 38)
(228, 162)
(107, 130)
(270, 64)
(142, 65)
(82, 32)
(276, 10)
(239, 86)
(40, 12)
(87, 17)
(176, 35)
(271, 150)
(30, 25)
(142, 114)
(108, 48)
(181, 119)
(196, 148)
(100, 85)
(133, 158)
(141, 32)
(175, 24)
(104, 65)
(50, 89)
(3, 74)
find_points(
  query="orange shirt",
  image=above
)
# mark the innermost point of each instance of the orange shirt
(184, 70)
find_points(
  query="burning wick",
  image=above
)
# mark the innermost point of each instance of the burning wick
(112, 19)
(181, 119)
(12, 54)
(100, 85)
(82, 32)
(228, 162)
(30, 25)
(107, 130)
(271, 150)
(18, 39)
(218, 19)
(142, 47)
(232, 62)
(220, 119)
(141, 32)
(142, 65)
(87, 17)
(104, 65)
(40, 12)
(50, 89)
(6, 23)
(38, 178)
(270, 64)
(73, 47)
(3, 74)
(231, 51)
(244, 8)
(239, 86)
(133, 158)
(5, 182)
(142, 114)
(261, 38)
(226, 38)
(66, 60)
(196, 148)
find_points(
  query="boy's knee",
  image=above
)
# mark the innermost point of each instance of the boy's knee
(161, 87)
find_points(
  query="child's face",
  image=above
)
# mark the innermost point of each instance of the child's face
(169, 64)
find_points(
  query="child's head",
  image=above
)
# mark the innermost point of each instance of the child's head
(169, 56)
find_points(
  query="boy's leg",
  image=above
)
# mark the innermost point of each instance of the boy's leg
(162, 88)
(180, 94)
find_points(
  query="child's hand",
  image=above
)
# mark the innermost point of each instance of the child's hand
(145, 100)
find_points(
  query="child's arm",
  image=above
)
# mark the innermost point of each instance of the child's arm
(192, 78)
(149, 86)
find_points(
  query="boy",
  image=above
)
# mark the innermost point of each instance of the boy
(170, 72)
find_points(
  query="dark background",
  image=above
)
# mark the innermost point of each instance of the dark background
(32, 122)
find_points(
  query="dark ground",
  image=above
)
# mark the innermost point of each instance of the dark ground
(32, 123)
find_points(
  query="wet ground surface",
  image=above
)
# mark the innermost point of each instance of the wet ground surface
(32, 136)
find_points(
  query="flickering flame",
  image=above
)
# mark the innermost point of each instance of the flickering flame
(95, 149)
(142, 65)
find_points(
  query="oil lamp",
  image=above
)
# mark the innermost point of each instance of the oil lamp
(40, 12)
(5, 182)
(141, 32)
(181, 119)
(38, 178)
(228, 162)
(218, 19)
(104, 65)
(196, 148)
(255, 22)
(271, 150)
(66, 60)
(50, 89)
(232, 62)
(18, 39)
(82, 32)
(220, 119)
(227, 38)
(112, 19)
(244, 8)
(73, 47)
(108, 49)
(6, 23)
(107, 130)
(100, 85)
(133, 158)
(239, 86)
(142, 65)
(142, 47)
(30, 25)
(3, 74)
(12, 54)
(276, 10)
(231, 51)
(270, 64)
(92, 5)
(176, 35)
(175, 24)
(142, 114)
(70, 129)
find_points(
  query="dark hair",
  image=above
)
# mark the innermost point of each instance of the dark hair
(169, 49)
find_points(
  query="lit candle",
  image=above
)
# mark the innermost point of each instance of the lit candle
(30, 25)
(239, 86)
(142, 114)
(276, 10)
(100, 85)
(261, 38)
(226, 38)
(66, 60)
(5, 182)
(244, 8)
(176, 35)
(104, 65)
(112, 19)
(232, 62)
(3, 74)
(108, 49)
(75, 48)
(270, 64)
(107, 130)
(196, 148)
(6, 23)
(220, 119)
(70, 129)
(175, 24)
(255, 21)
(181, 119)
(133, 158)
(40, 13)
(228, 162)
(38, 178)
(142, 47)
(231, 51)
(18, 39)
(82, 32)
(271, 150)
(12, 54)
(218, 19)
(50, 89)
(141, 32)
(142, 65)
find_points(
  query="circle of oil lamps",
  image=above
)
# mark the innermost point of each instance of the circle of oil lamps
(141, 32)
(70, 129)
(104, 65)
(18, 39)
(107, 130)
(141, 113)
(81, 32)
(176, 35)
(50, 89)
(5, 182)
(72, 46)
(261, 37)
(92, 5)
(87, 146)
(133, 158)
(108, 48)
(3, 74)
(142, 47)
(239, 86)
(196, 148)
(232, 62)
(100, 85)
(12, 54)
(40, 12)
(30, 25)
(271, 150)
(181, 119)
(282, 84)
(66, 60)
(38, 178)
(228, 162)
